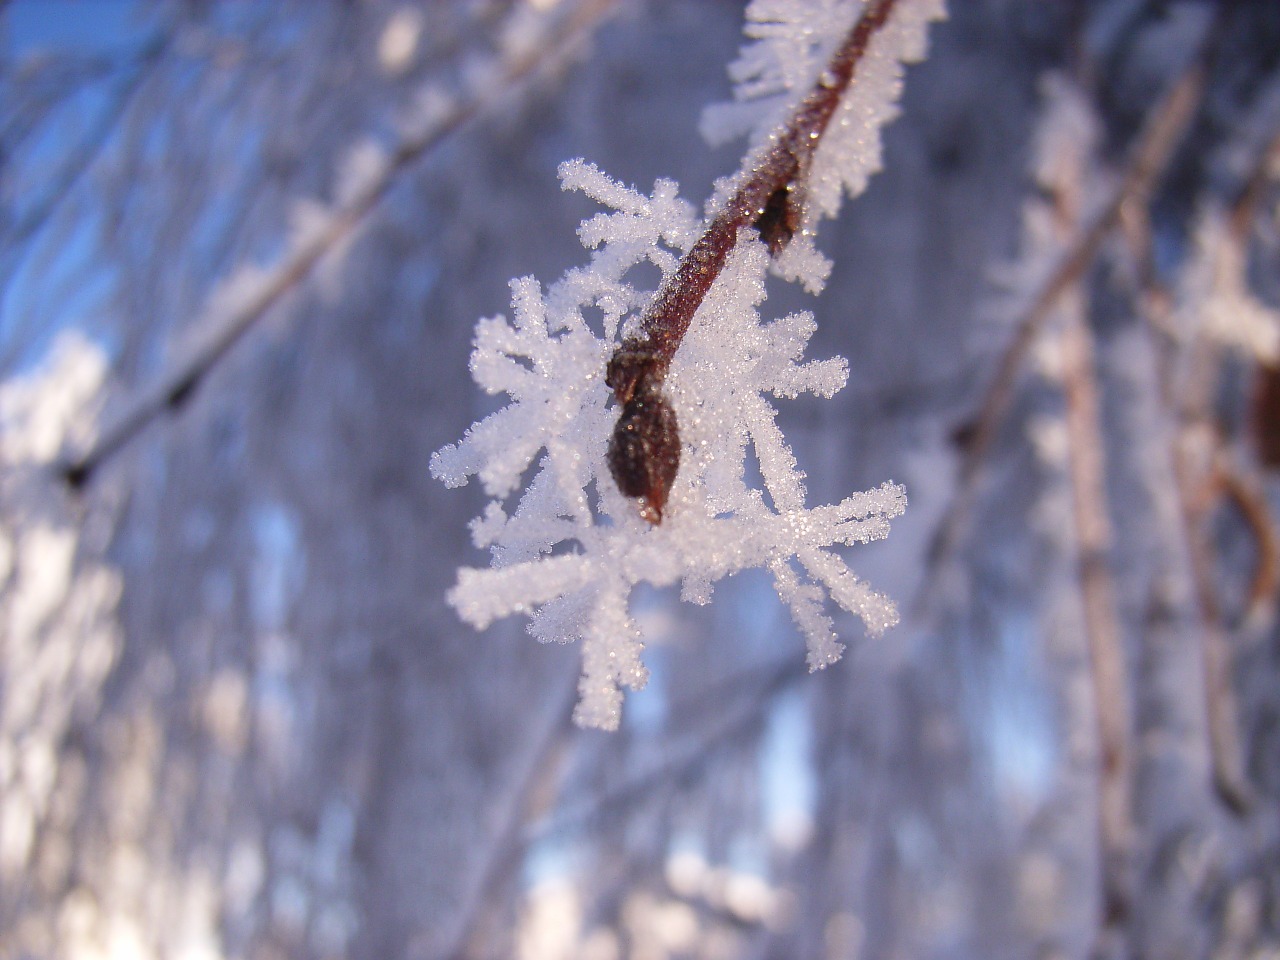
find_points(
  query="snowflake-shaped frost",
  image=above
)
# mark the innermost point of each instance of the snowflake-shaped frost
(573, 548)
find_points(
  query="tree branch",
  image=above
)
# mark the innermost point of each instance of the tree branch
(687, 753)
(174, 386)
(1251, 504)
(1164, 130)
(644, 454)
(508, 813)
(1087, 471)
(1202, 476)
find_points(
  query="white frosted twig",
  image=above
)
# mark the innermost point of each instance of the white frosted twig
(693, 369)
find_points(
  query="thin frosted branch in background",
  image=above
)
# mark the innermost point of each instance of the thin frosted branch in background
(364, 175)
(1165, 127)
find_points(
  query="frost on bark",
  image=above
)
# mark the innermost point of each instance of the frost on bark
(693, 352)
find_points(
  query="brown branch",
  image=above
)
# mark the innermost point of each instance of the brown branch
(1225, 749)
(1264, 416)
(1087, 476)
(1195, 498)
(1251, 504)
(1087, 470)
(174, 386)
(1202, 478)
(1164, 130)
(644, 453)
(1249, 501)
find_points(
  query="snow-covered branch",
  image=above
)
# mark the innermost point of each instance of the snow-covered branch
(692, 366)
(364, 177)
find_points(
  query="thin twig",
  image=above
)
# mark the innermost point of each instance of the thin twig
(1198, 472)
(1087, 471)
(1091, 519)
(644, 454)
(89, 148)
(1251, 504)
(685, 754)
(1245, 209)
(510, 839)
(1221, 709)
(508, 813)
(1226, 742)
(175, 385)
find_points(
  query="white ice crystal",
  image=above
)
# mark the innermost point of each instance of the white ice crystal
(573, 547)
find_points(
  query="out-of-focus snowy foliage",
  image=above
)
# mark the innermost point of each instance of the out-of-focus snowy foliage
(1215, 296)
(238, 718)
(1064, 156)
(58, 598)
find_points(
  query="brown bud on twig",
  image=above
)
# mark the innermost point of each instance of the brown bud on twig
(644, 451)
(633, 362)
(779, 219)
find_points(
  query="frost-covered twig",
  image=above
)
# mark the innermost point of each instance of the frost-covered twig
(1065, 161)
(1198, 460)
(1221, 707)
(1210, 312)
(1231, 483)
(240, 301)
(644, 453)
(575, 545)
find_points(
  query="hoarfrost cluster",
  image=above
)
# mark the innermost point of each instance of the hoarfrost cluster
(1214, 294)
(58, 597)
(573, 547)
(793, 42)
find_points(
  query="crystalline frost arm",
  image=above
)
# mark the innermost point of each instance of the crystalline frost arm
(574, 546)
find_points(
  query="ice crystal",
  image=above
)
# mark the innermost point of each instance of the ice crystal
(572, 548)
